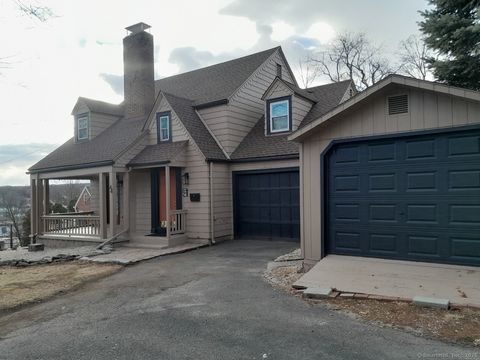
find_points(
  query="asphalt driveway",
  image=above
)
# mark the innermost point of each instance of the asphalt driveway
(210, 303)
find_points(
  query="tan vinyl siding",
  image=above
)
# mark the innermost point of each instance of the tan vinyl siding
(279, 90)
(140, 202)
(216, 119)
(230, 123)
(264, 165)
(300, 108)
(198, 213)
(222, 200)
(427, 110)
(178, 131)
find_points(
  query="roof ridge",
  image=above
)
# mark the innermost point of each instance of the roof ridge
(325, 85)
(220, 63)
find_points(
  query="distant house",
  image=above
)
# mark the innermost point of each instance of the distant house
(238, 150)
(83, 203)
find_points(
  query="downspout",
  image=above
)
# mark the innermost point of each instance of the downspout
(210, 187)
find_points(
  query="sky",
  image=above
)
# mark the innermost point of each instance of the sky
(45, 67)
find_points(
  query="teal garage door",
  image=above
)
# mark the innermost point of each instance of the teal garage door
(410, 198)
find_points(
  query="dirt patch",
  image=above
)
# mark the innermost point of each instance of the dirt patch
(21, 286)
(456, 325)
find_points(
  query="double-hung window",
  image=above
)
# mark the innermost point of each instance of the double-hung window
(279, 115)
(163, 127)
(82, 127)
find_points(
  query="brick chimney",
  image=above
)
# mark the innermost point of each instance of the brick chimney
(138, 74)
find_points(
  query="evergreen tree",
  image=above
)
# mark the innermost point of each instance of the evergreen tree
(452, 29)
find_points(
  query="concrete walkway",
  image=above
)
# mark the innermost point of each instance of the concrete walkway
(130, 255)
(392, 278)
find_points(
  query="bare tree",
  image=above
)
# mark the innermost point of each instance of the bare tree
(34, 10)
(309, 71)
(413, 54)
(353, 56)
(14, 210)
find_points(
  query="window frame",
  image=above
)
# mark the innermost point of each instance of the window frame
(79, 117)
(161, 115)
(270, 102)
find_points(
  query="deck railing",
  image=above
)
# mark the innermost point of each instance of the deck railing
(178, 221)
(72, 225)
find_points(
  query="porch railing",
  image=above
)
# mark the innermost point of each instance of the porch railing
(72, 225)
(178, 221)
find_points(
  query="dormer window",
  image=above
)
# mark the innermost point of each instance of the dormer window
(163, 127)
(82, 127)
(279, 115)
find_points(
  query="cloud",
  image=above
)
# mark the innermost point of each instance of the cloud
(384, 20)
(189, 58)
(115, 82)
(16, 159)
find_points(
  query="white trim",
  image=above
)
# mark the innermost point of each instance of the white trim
(271, 117)
(85, 117)
(160, 127)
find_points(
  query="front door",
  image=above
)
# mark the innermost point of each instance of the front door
(158, 192)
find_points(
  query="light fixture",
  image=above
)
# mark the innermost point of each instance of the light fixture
(185, 178)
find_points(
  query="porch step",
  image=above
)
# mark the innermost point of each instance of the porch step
(146, 242)
(141, 245)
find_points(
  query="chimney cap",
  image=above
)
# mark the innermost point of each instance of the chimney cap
(134, 29)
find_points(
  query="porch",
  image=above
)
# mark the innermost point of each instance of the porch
(110, 219)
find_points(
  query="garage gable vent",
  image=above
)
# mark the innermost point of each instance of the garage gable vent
(397, 104)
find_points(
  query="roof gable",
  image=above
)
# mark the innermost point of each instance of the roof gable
(365, 95)
(307, 94)
(215, 82)
(97, 106)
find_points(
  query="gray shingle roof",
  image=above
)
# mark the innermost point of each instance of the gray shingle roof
(257, 145)
(158, 153)
(103, 148)
(213, 83)
(195, 127)
(327, 96)
(102, 107)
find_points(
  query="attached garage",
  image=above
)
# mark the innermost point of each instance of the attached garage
(394, 173)
(406, 197)
(266, 204)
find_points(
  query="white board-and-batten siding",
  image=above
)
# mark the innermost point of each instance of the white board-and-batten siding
(427, 110)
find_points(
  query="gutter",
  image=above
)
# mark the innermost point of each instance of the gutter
(71, 167)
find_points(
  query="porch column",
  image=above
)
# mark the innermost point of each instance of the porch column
(46, 196)
(39, 193)
(167, 199)
(126, 200)
(102, 205)
(33, 210)
(112, 188)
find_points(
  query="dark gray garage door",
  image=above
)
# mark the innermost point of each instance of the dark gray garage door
(413, 198)
(267, 205)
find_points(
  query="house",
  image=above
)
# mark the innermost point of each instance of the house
(83, 203)
(202, 155)
(393, 173)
